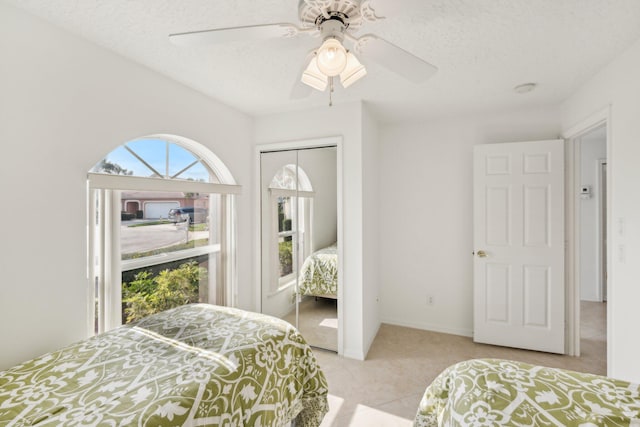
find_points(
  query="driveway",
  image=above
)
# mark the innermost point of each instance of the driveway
(150, 237)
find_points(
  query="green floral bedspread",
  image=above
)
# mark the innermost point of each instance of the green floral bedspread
(193, 365)
(488, 392)
(319, 273)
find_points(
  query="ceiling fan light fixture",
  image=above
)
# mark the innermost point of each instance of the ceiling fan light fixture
(313, 77)
(331, 57)
(334, 22)
(353, 71)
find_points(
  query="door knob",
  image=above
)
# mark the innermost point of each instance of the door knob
(482, 254)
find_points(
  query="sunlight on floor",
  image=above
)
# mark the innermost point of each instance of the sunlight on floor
(365, 416)
(330, 323)
(335, 403)
(362, 416)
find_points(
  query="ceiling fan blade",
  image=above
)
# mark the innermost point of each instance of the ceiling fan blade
(232, 34)
(394, 58)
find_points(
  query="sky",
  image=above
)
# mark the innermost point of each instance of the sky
(154, 152)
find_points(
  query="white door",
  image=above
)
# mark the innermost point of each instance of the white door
(518, 227)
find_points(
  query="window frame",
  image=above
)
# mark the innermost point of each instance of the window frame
(301, 215)
(104, 264)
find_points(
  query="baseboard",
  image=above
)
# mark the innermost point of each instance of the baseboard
(353, 354)
(429, 327)
(367, 345)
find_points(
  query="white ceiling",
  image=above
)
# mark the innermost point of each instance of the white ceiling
(483, 48)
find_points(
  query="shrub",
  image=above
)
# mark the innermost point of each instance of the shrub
(285, 254)
(148, 294)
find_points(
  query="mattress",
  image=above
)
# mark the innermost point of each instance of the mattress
(319, 273)
(491, 392)
(198, 365)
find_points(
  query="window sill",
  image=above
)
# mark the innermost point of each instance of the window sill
(282, 288)
(132, 264)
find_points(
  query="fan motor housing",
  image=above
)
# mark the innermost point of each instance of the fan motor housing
(314, 13)
(333, 16)
(332, 27)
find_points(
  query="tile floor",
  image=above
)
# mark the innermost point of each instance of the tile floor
(385, 389)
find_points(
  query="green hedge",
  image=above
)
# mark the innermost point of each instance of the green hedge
(285, 254)
(148, 294)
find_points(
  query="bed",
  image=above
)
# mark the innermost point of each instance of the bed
(193, 365)
(319, 273)
(493, 392)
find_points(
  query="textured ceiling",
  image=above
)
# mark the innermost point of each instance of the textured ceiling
(483, 48)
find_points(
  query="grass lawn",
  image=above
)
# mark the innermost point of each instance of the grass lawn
(144, 224)
(192, 227)
(174, 248)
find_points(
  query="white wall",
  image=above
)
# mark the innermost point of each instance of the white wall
(618, 86)
(340, 120)
(426, 203)
(593, 148)
(64, 104)
(371, 226)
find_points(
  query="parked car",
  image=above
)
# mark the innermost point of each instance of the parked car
(195, 215)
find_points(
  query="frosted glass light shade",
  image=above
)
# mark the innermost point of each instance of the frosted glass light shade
(313, 77)
(332, 57)
(353, 71)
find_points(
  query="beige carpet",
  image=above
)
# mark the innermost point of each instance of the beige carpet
(385, 389)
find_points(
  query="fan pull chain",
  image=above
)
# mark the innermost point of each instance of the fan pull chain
(330, 91)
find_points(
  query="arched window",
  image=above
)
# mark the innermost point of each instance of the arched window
(162, 230)
(290, 177)
(291, 196)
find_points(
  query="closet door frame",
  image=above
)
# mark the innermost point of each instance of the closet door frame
(331, 141)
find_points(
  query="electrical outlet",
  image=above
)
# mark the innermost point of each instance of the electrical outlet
(622, 254)
(429, 299)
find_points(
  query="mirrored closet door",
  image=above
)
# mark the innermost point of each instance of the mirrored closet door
(299, 253)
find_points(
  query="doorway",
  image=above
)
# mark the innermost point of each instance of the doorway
(591, 245)
(299, 240)
(599, 122)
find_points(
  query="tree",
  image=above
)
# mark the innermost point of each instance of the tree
(105, 166)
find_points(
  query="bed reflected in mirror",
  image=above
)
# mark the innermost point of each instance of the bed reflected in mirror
(318, 298)
(299, 252)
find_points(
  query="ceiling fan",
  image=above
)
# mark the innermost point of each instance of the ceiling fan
(332, 21)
